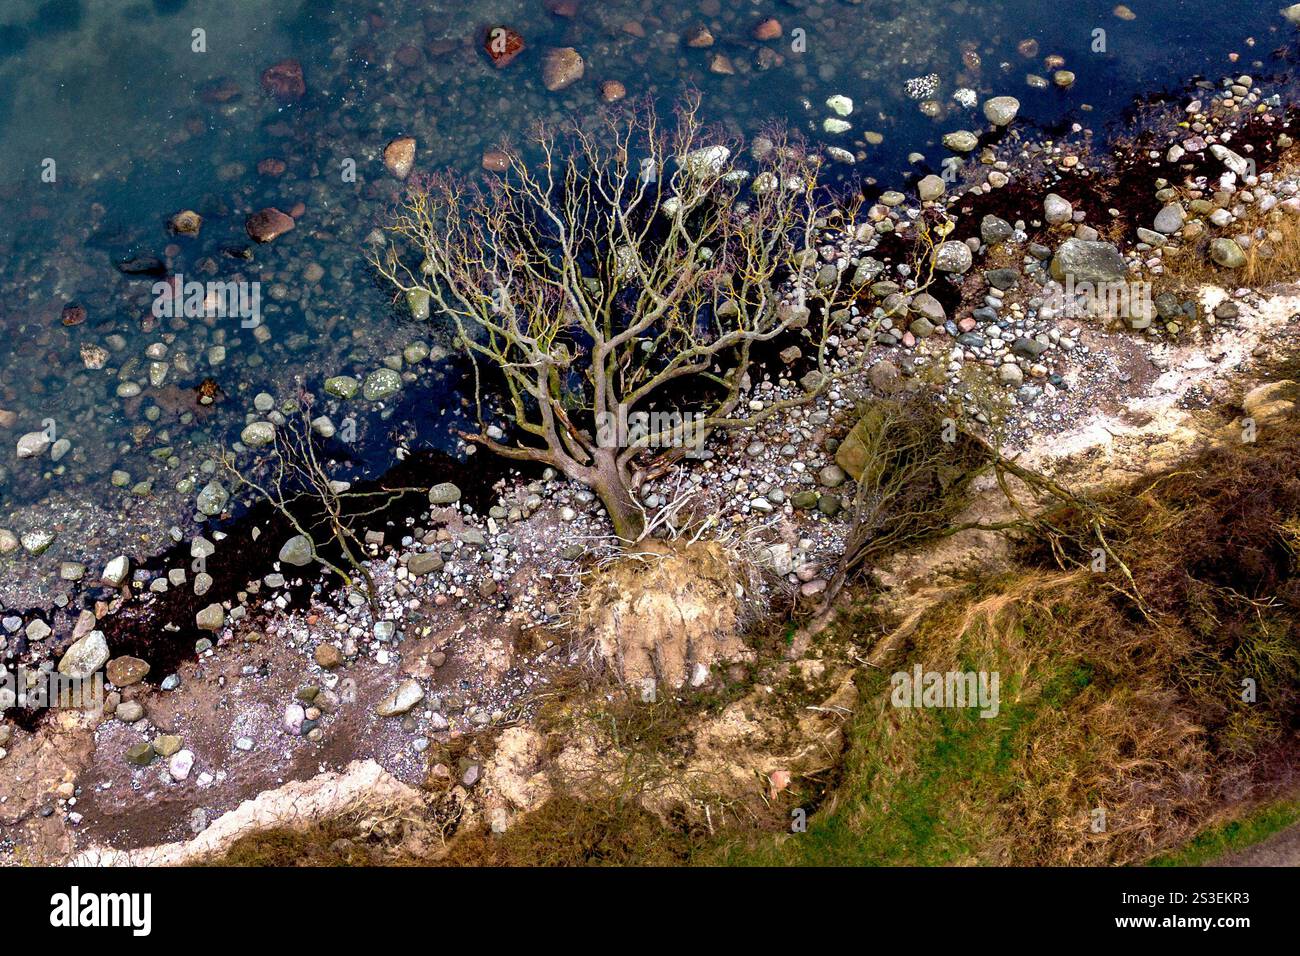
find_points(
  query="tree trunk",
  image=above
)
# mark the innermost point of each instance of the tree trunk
(613, 487)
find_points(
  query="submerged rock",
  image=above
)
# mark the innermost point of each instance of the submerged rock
(212, 499)
(380, 384)
(37, 542)
(502, 45)
(268, 224)
(1001, 110)
(961, 141)
(257, 434)
(417, 300)
(840, 105)
(562, 68)
(186, 223)
(342, 386)
(399, 156)
(284, 81)
(33, 445)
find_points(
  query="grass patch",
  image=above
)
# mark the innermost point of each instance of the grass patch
(1122, 699)
(1224, 838)
(1272, 259)
(568, 831)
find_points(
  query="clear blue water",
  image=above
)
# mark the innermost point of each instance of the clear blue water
(141, 125)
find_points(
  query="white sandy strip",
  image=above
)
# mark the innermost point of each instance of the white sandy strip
(1188, 366)
(296, 804)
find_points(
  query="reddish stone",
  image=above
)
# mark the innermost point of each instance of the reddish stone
(364, 53)
(502, 44)
(633, 28)
(721, 64)
(769, 29)
(297, 210)
(399, 156)
(268, 224)
(495, 161)
(611, 91)
(284, 81)
(125, 671)
(699, 37)
(271, 167)
(562, 8)
(73, 314)
(328, 656)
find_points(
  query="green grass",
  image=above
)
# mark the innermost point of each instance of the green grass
(1225, 838)
(922, 787)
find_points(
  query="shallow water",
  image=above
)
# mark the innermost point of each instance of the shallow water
(140, 124)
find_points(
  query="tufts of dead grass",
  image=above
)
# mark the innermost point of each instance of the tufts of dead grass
(1124, 727)
(665, 609)
(1272, 259)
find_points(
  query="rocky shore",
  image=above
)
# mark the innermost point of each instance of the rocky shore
(291, 676)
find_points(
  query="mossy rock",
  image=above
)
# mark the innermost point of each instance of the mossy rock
(854, 454)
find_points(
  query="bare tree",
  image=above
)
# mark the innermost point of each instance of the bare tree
(619, 266)
(295, 479)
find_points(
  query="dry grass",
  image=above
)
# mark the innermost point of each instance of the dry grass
(1129, 707)
(1272, 259)
(664, 608)
(1277, 259)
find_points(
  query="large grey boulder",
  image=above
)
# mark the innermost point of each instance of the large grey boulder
(297, 551)
(444, 493)
(953, 256)
(85, 657)
(1096, 262)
